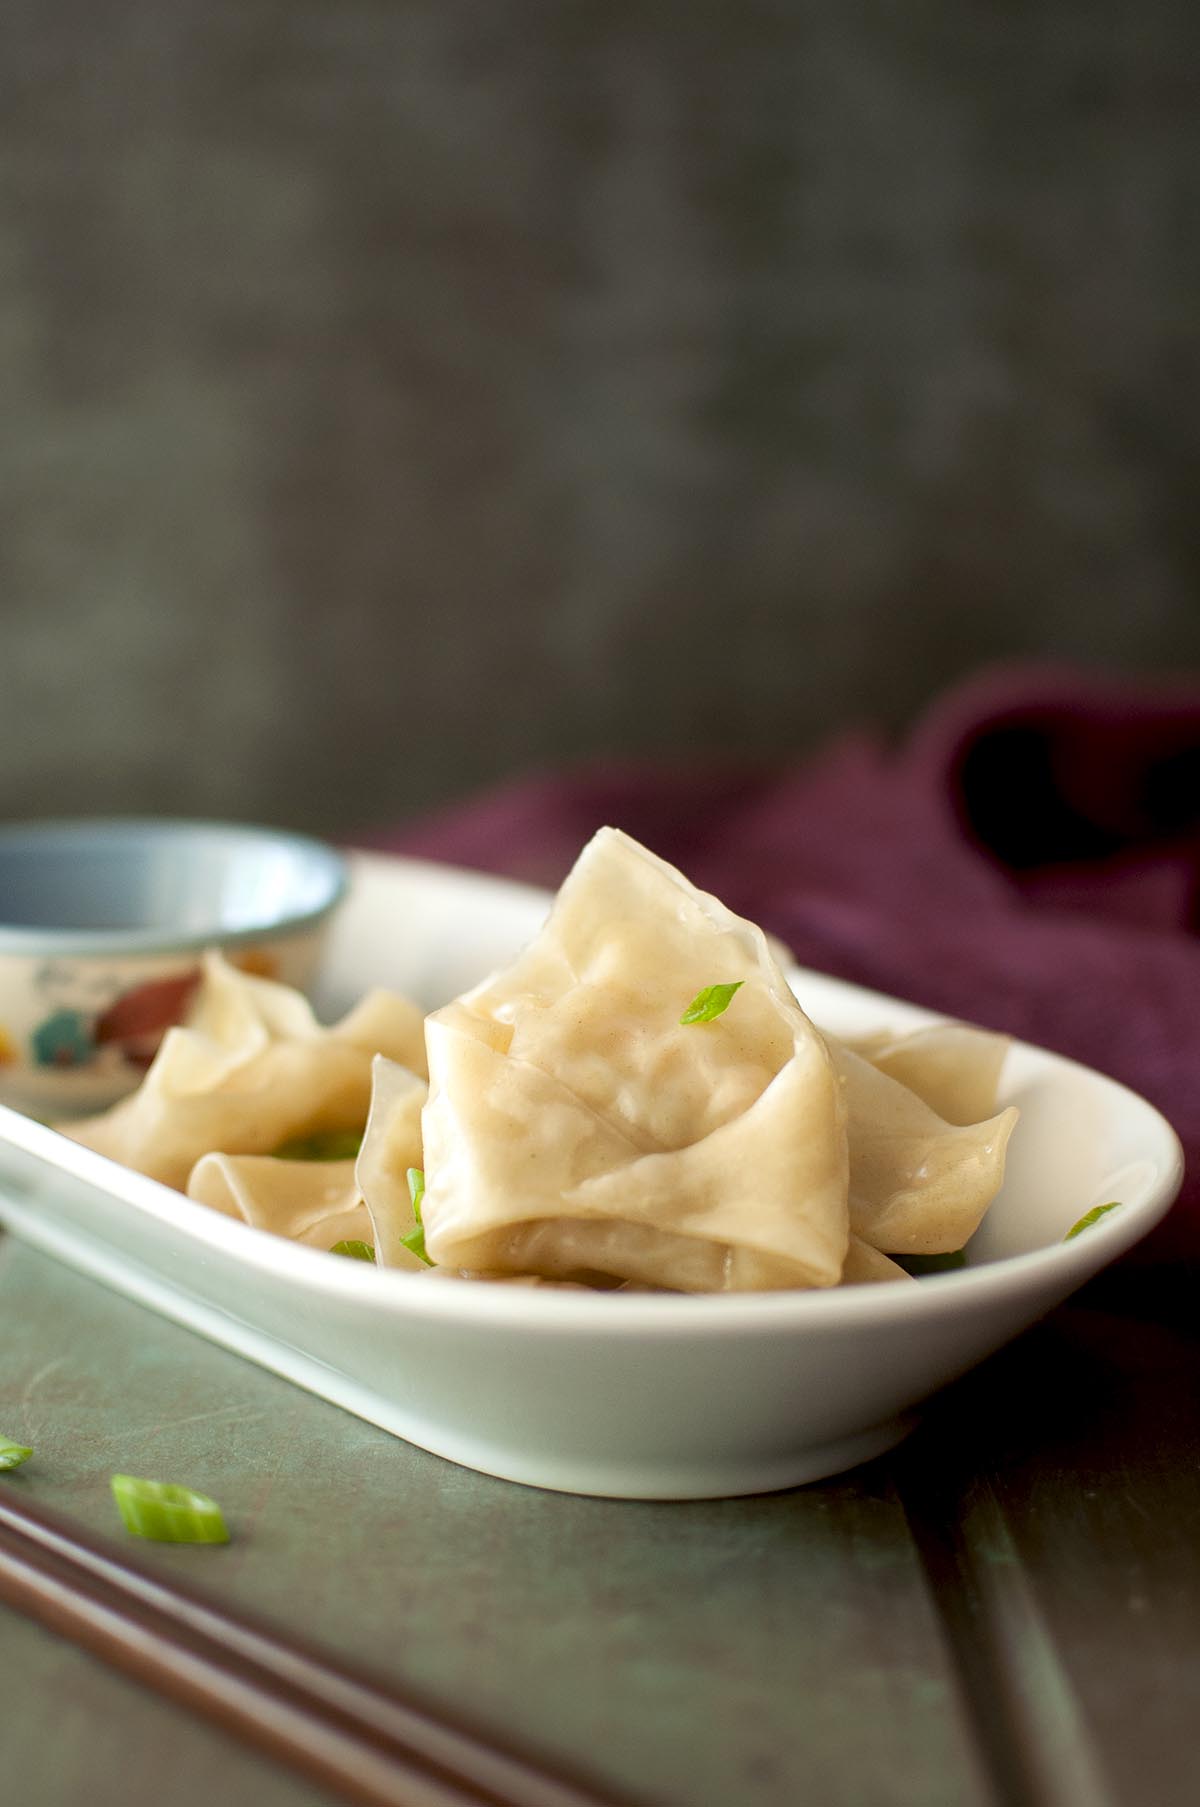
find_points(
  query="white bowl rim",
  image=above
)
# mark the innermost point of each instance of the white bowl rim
(29, 940)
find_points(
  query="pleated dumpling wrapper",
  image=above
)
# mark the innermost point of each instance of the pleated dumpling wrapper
(315, 1202)
(920, 1182)
(250, 1069)
(391, 1149)
(576, 1128)
(954, 1068)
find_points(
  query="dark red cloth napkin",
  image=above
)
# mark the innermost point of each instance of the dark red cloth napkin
(1029, 860)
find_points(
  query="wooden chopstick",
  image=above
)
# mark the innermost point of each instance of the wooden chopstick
(289, 1698)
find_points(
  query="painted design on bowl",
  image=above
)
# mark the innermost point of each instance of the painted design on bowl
(129, 1023)
(136, 1020)
(63, 1039)
(258, 962)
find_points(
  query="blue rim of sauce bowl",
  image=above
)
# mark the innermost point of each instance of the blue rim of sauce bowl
(310, 880)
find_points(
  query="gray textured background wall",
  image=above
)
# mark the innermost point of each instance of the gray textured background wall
(399, 393)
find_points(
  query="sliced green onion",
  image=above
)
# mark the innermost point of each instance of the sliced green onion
(712, 1002)
(324, 1145)
(13, 1454)
(357, 1251)
(166, 1513)
(1091, 1217)
(918, 1265)
(415, 1240)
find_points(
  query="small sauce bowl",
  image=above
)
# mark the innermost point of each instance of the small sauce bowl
(102, 928)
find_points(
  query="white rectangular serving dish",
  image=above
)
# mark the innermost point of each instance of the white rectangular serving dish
(632, 1395)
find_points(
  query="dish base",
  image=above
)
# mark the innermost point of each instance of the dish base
(672, 1481)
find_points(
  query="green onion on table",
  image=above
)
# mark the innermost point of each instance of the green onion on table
(166, 1513)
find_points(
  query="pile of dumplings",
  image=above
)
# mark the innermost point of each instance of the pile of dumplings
(570, 1128)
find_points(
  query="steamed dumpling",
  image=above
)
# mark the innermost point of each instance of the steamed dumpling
(251, 1068)
(575, 1128)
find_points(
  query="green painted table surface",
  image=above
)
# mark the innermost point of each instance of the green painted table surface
(1006, 1610)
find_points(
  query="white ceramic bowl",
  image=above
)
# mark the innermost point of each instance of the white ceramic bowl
(101, 927)
(632, 1395)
